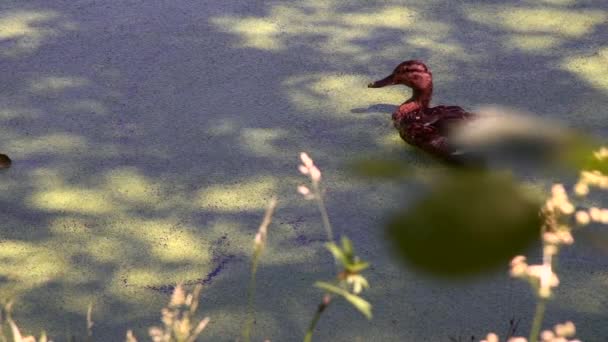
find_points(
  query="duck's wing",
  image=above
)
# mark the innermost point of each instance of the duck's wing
(442, 117)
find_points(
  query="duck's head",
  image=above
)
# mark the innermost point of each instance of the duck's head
(413, 74)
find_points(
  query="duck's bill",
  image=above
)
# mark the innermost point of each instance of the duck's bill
(389, 80)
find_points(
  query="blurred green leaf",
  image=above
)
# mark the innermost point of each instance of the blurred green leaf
(470, 222)
(337, 252)
(347, 247)
(357, 266)
(359, 303)
(380, 168)
(346, 256)
(579, 155)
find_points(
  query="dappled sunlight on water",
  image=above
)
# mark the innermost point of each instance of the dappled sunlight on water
(336, 94)
(237, 197)
(73, 199)
(537, 43)
(28, 265)
(561, 23)
(51, 84)
(26, 31)
(59, 143)
(339, 29)
(7, 113)
(262, 141)
(339, 33)
(592, 69)
(130, 185)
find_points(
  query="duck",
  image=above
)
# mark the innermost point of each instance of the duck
(420, 125)
(5, 161)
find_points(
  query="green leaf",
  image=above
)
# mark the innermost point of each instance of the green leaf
(359, 303)
(579, 154)
(347, 248)
(357, 267)
(389, 168)
(330, 287)
(336, 252)
(469, 223)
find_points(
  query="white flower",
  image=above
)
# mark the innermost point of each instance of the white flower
(581, 189)
(306, 160)
(303, 190)
(315, 174)
(491, 337)
(582, 217)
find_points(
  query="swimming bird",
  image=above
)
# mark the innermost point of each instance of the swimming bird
(419, 124)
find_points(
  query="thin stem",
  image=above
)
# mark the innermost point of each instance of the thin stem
(538, 320)
(323, 210)
(250, 296)
(258, 247)
(90, 322)
(324, 216)
(324, 304)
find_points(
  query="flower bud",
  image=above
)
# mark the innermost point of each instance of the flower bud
(491, 337)
(550, 238)
(306, 160)
(604, 216)
(517, 339)
(581, 189)
(303, 190)
(582, 218)
(547, 335)
(566, 207)
(565, 330)
(315, 174)
(557, 190)
(595, 213)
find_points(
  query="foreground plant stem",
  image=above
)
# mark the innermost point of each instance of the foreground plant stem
(324, 304)
(259, 244)
(330, 237)
(323, 210)
(538, 320)
(250, 296)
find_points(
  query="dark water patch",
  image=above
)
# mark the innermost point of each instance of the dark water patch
(216, 271)
(220, 258)
(166, 289)
(295, 223)
(303, 240)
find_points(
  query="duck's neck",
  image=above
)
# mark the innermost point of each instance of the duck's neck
(421, 99)
(422, 96)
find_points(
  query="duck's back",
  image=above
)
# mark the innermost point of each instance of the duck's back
(428, 128)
